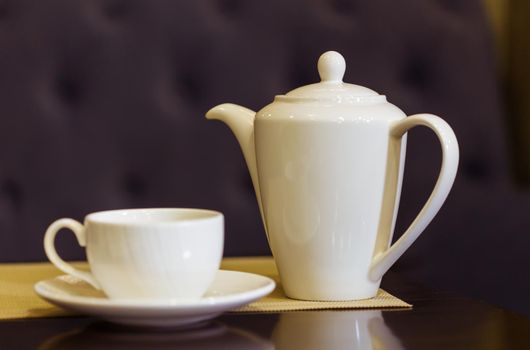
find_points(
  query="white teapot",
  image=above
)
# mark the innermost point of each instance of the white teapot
(326, 161)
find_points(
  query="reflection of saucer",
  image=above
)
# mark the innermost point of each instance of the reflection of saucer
(101, 336)
(231, 289)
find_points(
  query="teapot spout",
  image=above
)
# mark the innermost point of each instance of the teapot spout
(241, 121)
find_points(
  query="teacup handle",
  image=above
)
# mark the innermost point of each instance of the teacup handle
(450, 154)
(49, 247)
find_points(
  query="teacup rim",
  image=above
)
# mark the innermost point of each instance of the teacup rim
(98, 217)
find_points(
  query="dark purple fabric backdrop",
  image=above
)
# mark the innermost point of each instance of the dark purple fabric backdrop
(102, 106)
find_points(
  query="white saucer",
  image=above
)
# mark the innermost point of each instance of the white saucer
(230, 290)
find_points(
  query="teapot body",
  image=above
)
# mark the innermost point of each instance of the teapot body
(326, 161)
(323, 173)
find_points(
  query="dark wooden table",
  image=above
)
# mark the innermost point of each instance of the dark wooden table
(439, 320)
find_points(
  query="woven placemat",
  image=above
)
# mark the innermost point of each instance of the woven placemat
(18, 300)
(277, 301)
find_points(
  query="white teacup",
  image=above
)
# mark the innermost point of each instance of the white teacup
(157, 254)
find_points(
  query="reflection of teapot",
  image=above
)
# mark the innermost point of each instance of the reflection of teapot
(334, 330)
(105, 336)
(326, 161)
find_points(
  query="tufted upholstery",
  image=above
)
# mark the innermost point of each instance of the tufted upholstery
(102, 106)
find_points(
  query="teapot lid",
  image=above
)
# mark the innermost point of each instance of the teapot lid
(331, 68)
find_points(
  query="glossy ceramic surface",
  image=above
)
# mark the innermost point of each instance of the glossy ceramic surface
(327, 163)
(146, 253)
(229, 290)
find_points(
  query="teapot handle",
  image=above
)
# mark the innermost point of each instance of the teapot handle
(450, 154)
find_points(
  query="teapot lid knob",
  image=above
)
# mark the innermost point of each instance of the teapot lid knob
(331, 67)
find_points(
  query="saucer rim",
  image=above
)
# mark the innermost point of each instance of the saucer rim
(268, 285)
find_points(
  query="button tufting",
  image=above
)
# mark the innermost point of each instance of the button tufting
(300, 72)
(13, 192)
(476, 169)
(453, 5)
(135, 185)
(246, 183)
(230, 7)
(417, 72)
(344, 7)
(116, 9)
(3, 10)
(187, 85)
(68, 90)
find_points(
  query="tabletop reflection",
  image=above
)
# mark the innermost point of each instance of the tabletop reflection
(333, 330)
(105, 336)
